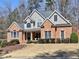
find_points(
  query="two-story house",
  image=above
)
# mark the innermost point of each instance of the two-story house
(37, 26)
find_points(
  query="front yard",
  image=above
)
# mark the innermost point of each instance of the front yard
(40, 50)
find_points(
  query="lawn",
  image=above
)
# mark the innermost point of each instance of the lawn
(40, 50)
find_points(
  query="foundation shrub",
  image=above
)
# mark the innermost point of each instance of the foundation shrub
(67, 40)
(3, 43)
(13, 42)
(41, 41)
(52, 40)
(32, 41)
(59, 40)
(74, 38)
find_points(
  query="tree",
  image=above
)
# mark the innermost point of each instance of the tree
(33, 4)
(50, 4)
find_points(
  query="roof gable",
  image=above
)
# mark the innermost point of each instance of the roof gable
(47, 21)
(27, 19)
(60, 16)
(14, 26)
(37, 13)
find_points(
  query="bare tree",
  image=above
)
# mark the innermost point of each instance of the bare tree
(50, 4)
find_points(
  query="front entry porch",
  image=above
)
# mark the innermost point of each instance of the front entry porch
(32, 35)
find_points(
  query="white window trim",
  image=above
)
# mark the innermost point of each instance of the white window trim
(64, 33)
(54, 18)
(47, 34)
(12, 35)
(25, 25)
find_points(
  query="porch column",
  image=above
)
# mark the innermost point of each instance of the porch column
(8, 36)
(20, 37)
(31, 36)
(55, 34)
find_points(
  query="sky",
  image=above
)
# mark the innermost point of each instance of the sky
(14, 3)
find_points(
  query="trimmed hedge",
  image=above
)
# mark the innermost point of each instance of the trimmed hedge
(74, 38)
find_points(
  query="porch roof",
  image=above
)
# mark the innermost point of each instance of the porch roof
(32, 29)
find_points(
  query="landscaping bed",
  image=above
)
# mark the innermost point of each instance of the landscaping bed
(9, 49)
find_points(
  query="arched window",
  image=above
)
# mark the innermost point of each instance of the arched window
(28, 25)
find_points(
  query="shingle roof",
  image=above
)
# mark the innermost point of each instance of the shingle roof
(45, 13)
(62, 25)
(21, 25)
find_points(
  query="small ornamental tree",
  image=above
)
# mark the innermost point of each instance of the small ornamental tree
(74, 38)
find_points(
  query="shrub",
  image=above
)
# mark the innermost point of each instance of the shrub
(4, 43)
(13, 42)
(0, 41)
(52, 40)
(66, 40)
(41, 41)
(59, 40)
(74, 38)
(47, 40)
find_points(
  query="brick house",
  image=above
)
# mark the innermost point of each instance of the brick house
(38, 26)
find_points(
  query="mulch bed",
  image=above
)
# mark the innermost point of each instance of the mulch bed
(9, 49)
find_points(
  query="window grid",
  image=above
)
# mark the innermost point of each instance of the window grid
(14, 34)
(47, 34)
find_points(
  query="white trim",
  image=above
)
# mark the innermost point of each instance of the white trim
(12, 24)
(64, 33)
(31, 36)
(12, 35)
(28, 17)
(45, 21)
(36, 12)
(60, 15)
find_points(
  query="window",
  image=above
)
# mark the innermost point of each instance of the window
(55, 17)
(14, 34)
(62, 35)
(47, 34)
(39, 24)
(28, 25)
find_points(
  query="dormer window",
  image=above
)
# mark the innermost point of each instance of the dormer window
(55, 17)
(28, 25)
